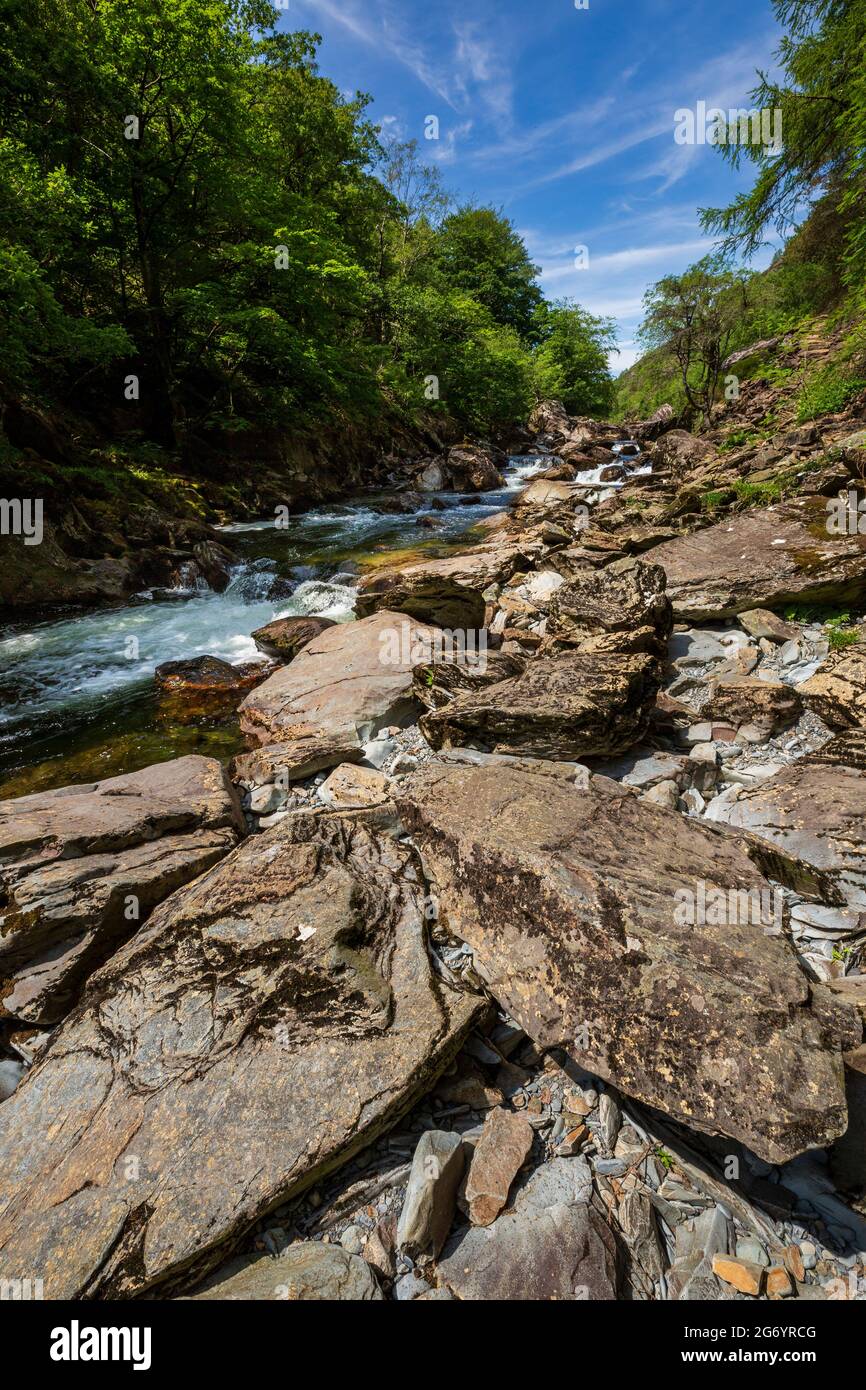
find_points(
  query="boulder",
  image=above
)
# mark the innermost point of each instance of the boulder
(269, 1021)
(445, 592)
(432, 477)
(815, 811)
(622, 608)
(308, 1271)
(549, 418)
(583, 912)
(435, 683)
(352, 680)
(472, 468)
(204, 687)
(297, 759)
(560, 707)
(350, 787)
(766, 557)
(681, 452)
(81, 867)
(760, 622)
(561, 1253)
(769, 705)
(284, 637)
(837, 691)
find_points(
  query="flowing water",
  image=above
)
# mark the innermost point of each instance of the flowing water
(76, 693)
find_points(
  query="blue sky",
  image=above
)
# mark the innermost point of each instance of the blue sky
(563, 118)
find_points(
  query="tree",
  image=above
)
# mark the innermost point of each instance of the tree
(571, 360)
(693, 317)
(822, 100)
(479, 251)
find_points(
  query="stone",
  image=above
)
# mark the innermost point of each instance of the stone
(837, 691)
(765, 557)
(436, 683)
(446, 592)
(473, 468)
(431, 1195)
(681, 452)
(815, 812)
(848, 1154)
(638, 1222)
(768, 705)
(431, 478)
(794, 1262)
(761, 622)
(778, 1282)
(11, 1073)
(623, 608)
(82, 866)
(284, 637)
(575, 928)
(561, 707)
(204, 688)
(349, 787)
(745, 1276)
(306, 1272)
(296, 759)
(552, 1254)
(267, 1023)
(499, 1155)
(351, 681)
(559, 1181)
(609, 1119)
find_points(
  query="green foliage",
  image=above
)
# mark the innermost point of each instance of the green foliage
(571, 360)
(840, 633)
(826, 392)
(186, 199)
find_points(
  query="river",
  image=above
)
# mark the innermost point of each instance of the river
(76, 692)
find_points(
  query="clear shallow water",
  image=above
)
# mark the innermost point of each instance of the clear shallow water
(76, 693)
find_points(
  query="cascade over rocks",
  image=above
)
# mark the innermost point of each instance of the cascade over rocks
(574, 926)
(268, 1022)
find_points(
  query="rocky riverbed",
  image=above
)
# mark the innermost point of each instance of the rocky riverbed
(517, 955)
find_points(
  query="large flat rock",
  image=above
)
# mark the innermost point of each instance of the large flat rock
(762, 558)
(569, 898)
(815, 811)
(447, 592)
(837, 691)
(82, 866)
(353, 679)
(568, 706)
(267, 1022)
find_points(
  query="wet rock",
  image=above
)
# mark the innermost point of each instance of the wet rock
(766, 557)
(309, 1271)
(499, 1155)
(560, 707)
(267, 1023)
(431, 1196)
(81, 867)
(473, 468)
(432, 477)
(352, 680)
(204, 688)
(837, 691)
(284, 637)
(769, 705)
(558, 1252)
(588, 944)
